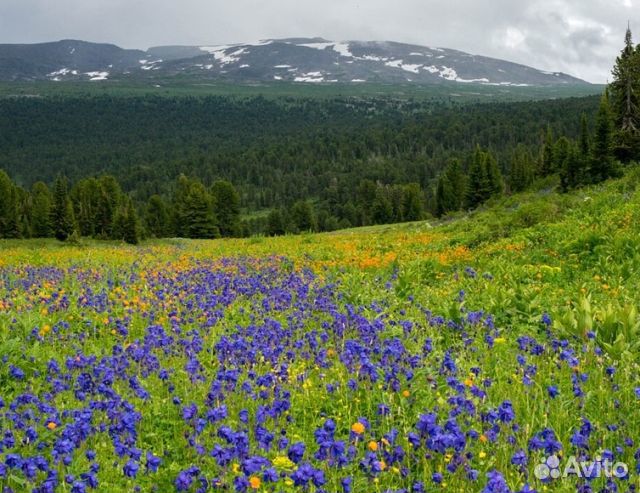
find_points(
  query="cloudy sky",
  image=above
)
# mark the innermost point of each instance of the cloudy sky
(580, 37)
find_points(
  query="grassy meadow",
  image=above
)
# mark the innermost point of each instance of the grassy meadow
(434, 356)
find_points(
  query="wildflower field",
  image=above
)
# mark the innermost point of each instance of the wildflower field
(410, 358)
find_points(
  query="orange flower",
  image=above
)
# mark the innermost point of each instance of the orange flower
(357, 428)
(373, 446)
(406, 393)
(51, 425)
(483, 438)
(254, 482)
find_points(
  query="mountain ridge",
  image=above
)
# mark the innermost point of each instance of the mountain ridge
(303, 60)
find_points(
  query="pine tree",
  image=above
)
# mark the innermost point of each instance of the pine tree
(89, 207)
(303, 216)
(478, 187)
(450, 191)
(571, 171)
(602, 161)
(521, 172)
(9, 227)
(110, 196)
(62, 219)
(227, 206)
(584, 144)
(200, 220)
(131, 231)
(179, 206)
(494, 175)
(156, 217)
(625, 101)
(381, 208)
(412, 203)
(41, 201)
(546, 159)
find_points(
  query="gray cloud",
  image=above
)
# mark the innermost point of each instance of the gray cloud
(580, 37)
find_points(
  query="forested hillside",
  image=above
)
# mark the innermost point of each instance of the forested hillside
(298, 164)
(274, 151)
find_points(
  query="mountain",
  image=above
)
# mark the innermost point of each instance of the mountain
(67, 59)
(304, 60)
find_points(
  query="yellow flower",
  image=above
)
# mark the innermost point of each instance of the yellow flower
(254, 482)
(357, 428)
(235, 468)
(499, 340)
(373, 446)
(283, 462)
(482, 455)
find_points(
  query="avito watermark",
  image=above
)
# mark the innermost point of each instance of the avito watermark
(551, 468)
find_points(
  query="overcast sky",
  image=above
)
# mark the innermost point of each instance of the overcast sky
(580, 37)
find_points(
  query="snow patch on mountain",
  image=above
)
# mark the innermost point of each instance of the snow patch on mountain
(97, 75)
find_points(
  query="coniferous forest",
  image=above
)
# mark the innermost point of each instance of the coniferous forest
(206, 167)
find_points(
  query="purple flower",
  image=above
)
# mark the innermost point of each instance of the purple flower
(131, 468)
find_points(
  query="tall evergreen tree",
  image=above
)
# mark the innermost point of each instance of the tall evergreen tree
(9, 227)
(625, 101)
(156, 217)
(41, 201)
(412, 202)
(602, 163)
(522, 170)
(494, 175)
(381, 208)
(62, 219)
(128, 225)
(584, 144)
(478, 185)
(89, 207)
(179, 206)
(199, 218)
(547, 167)
(227, 206)
(110, 196)
(303, 216)
(450, 191)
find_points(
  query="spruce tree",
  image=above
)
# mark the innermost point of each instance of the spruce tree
(571, 171)
(110, 196)
(521, 172)
(227, 207)
(156, 217)
(41, 202)
(9, 227)
(602, 160)
(303, 216)
(89, 207)
(381, 208)
(625, 101)
(131, 231)
(62, 219)
(199, 218)
(179, 206)
(450, 191)
(478, 186)
(546, 159)
(412, 202)
(494, 175)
